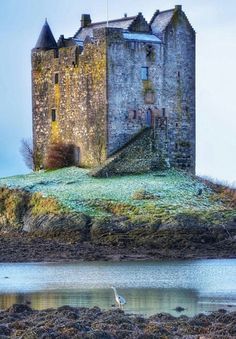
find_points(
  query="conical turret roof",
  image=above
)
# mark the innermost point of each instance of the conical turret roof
(46, 39)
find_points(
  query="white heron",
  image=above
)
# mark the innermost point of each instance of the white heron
(119, 299)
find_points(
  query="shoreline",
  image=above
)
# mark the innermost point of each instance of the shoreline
(79, 322)
(21, 248)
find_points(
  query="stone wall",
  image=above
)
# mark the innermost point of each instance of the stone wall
(127, 92)
(178, 90)
(139, 155)
(79, 99)
(169, 92)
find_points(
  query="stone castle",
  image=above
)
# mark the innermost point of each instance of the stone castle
(122, 92)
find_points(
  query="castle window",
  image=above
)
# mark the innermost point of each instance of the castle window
(177, 125)
(144, 73)
(163, 112)
(187, 109)
(56, 78)
(150, 52)
(53, 115)
(56, 53)
(178, 76)
(176, 146)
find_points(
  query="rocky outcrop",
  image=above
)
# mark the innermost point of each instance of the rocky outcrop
(66, 226)
(185, 235)
(13, 206)
(35, 215)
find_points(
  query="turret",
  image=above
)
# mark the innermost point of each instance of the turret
(46, 39)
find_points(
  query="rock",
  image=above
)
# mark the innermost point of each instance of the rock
(98, 335)
(55, 225)
(179, 309)
(109, 231)
(158, 330)
(19, 308)
(13, 206)
(4, 330)
(189, 220)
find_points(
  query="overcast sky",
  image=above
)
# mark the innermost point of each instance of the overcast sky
(215, 25)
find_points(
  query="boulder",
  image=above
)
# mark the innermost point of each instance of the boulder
(69, 225)
(19, 308)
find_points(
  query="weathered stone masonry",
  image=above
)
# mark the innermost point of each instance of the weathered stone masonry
(79, 99)
(100, 88)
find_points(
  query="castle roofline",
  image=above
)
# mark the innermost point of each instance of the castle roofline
(135, 23)
(114, 20)
(123, 22)
(46, 39)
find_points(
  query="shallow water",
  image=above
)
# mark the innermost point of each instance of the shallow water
(149, 287)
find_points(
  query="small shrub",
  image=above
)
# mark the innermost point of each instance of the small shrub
(59, 155)
(143, 195)
(41, 205)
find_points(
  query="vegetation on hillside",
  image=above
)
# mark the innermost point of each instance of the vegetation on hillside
(142, 198)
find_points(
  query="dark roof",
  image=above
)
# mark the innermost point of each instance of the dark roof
(46, 39)
(123, 23)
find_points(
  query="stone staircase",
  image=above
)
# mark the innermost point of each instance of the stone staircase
(136, 156)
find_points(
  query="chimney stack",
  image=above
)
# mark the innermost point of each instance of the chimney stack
(178, 7)
(85, 20)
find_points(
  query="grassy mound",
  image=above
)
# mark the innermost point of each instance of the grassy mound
(141, 198)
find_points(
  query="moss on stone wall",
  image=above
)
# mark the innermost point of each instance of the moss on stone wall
(148, 87)
(79, 99)
(57, 95)
(55, 132)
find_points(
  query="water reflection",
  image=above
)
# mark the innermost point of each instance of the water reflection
(148, 287)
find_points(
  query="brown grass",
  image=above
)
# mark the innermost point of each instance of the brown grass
(223, 191)
(13, 205)
(44, 205)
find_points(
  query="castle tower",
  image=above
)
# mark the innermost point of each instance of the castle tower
(45, 49)
(46, 39)
(102, 88)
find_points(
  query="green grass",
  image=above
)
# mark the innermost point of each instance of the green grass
(173, 193)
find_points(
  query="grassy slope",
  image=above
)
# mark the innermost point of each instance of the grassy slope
(170, 193)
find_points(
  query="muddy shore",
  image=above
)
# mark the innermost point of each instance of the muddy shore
(20, 321)
(35, 228)
(20, 247)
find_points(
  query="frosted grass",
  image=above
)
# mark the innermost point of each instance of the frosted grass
(75, 189)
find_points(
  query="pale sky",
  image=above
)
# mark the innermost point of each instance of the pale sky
(215, 25)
